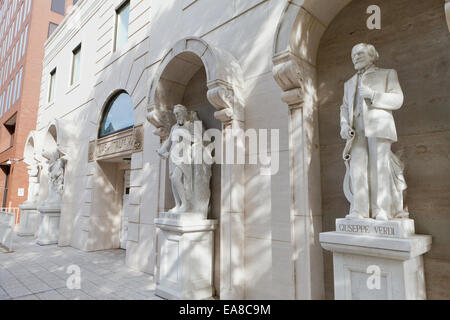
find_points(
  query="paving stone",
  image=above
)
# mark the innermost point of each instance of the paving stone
(50, 295)
(39, 272)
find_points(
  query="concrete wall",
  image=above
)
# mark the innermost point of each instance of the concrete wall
(154, 27)
(414, 40)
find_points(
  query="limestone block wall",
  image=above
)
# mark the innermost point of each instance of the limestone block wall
(154, 27)
(414, 40)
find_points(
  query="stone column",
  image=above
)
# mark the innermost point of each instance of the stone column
(295, 77)
(226, 99)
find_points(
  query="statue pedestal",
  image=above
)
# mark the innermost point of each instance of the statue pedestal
(48, 232)
(375, 266)
(185, 257)
(29, 220)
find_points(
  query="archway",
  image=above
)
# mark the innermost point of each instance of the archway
(112, 153)
(209, 81)
(295, 51)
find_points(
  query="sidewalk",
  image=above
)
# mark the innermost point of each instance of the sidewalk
(34, 272)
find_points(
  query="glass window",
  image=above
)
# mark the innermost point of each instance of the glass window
(19, 84)
(25, 40)
(122, 20)
(118, 115)
(51, 28)
(59, 6)
(15, 89)
(76, 65)
(1, 104)
(51, 88)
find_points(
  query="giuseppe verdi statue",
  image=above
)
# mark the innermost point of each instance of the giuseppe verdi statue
(374, 182)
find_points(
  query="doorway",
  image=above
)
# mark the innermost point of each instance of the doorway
(125, 210)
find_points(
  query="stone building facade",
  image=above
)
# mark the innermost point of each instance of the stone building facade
(249, 64)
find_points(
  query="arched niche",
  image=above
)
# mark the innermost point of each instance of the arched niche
(30, 151)
(295, 50)
(419, 54)
(207, 80)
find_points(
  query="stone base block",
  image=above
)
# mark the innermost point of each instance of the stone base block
(397, 228)
(185, 258)
(48, 232)
(7, 233)
(375, 268)
(29, 221)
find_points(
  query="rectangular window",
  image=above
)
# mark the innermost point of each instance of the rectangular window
(13, 63)
(21, 13)
(21, 45)
(51, 28)
(76, 59)
(51, 85)
(28, 6)
(14, 89)
(1, 103)
(25, 40)
(8, 97)
(19, 84)
(122, 20)
(25, 10)
(59, 6)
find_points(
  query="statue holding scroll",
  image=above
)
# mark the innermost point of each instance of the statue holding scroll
(374, 182)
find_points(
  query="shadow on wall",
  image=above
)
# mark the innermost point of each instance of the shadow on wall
(414, 40)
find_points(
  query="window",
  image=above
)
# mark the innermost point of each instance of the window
(118, 115)
(59, 6)
(14, 96)
(51, 87)
(75, 2)
(76, 65)
(19, 84)
(25, 40)
(122, 20)
(1, 103)
(51, 28)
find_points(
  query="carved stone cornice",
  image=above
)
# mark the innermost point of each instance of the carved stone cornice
(226, 100)
(287, 71)
(118, 144)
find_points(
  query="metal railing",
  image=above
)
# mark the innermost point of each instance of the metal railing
(14, 211)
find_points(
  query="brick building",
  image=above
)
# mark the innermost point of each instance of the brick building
(25, 26)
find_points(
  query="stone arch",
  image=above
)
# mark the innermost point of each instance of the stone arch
(295, 48)
(30, 148)
(224, 81)
(52, 134)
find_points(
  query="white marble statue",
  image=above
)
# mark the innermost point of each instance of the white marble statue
(189, 174)
(56, 168)
(34, 173)
(374, 182)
